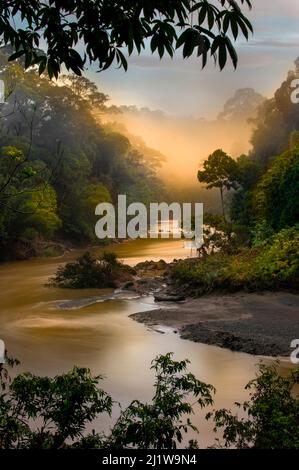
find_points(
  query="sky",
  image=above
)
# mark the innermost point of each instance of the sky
(180, 87)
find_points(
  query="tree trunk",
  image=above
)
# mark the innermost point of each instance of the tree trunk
(222, 202)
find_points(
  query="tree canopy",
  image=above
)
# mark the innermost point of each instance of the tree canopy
(277, 118)
(104, 31)
(58, 160)
(219, 171)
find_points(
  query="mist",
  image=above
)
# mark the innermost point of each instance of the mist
(185, 141)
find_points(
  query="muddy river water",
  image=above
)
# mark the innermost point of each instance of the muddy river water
(49, 330)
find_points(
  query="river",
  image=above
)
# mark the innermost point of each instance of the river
(47, 331)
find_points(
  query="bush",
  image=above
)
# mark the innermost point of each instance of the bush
(272, 420)
(272, 265)
(160, 424)
(89, 272)
(44, 412)
(218, 271)
(278, 264)
(50, 413)
(276, 197)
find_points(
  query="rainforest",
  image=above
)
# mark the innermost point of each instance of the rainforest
(125, 342)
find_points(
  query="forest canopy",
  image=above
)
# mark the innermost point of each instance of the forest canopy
(58, 161)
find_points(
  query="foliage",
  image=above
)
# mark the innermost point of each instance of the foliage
(52, 413)
(108, 30)
(53, 144)
(219, 171)
(43, 412)
(90, 196)
(220, 235)
(272, 414)
(248, 173)
(278, 264)
(242, 106)
(261, 233)
(217, 271)
(266, 199)
(273, 265)
(277, 118)
(89, 272)
(276, 197)
(160, 424)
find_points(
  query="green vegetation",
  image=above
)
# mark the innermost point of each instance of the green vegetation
(276, 195)
(107, 31)
(272, 265)
(58, 161)
(257, 247)
(275, 123)
(272, 414)
(90, 272)
(52, 413)
(218, 172)
(161, 424)
(42, 412)
(266, 200)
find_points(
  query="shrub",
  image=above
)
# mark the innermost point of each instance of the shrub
(278, 263)
(272, 420)
(276, 197)
(273, 264)
(218, 271)
(51, 413)
(44, 412)
(89, 272)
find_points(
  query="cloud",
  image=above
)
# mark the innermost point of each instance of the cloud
(272, 43)
(180, 86)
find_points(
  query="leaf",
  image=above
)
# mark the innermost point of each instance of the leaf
(109, 60)
(232, 52)
(122, 59)
(16, 55)
(42, 66)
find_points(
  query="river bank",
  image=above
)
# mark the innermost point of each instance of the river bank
(258, 324)
(51, 329)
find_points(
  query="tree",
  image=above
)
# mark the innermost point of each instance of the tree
(276, 196)
(248, 173)
(219, 171)
(50, 136)
(51, 413)
(89, 198)
(159, 425)
(44, 412)
(272, 414)
(242, 106)
(277, 118)
(109, 29)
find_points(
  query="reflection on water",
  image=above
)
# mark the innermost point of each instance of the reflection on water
(51, 329)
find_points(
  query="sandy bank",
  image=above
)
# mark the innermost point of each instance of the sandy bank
(260, 324)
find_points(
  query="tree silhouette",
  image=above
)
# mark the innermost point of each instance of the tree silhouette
(104, 31)
(219, 171)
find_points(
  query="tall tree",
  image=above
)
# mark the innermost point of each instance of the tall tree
(277, 118)
(219, 171)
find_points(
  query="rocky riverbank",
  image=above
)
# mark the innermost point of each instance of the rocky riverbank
(259, 324)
